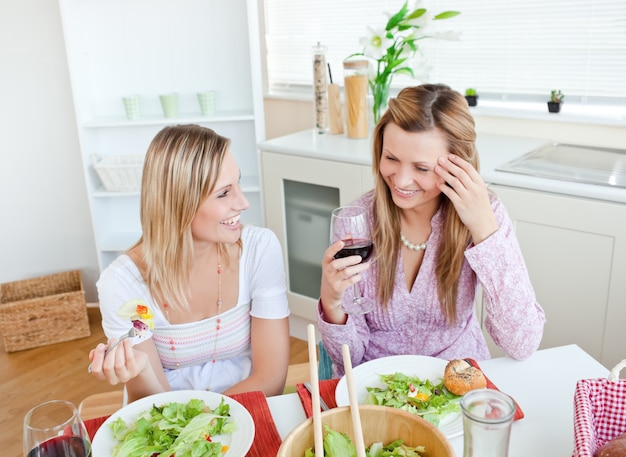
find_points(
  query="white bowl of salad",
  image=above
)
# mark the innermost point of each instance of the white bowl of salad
(181, 423)
(413, 383)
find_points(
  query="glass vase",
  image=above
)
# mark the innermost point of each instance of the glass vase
(380, 95)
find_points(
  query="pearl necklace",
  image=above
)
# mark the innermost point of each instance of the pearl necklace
(413, 247)
(218, 321)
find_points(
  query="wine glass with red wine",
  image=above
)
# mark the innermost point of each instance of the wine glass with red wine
(351, 225)
(55, 429)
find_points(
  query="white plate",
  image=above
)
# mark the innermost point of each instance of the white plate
(368, 375)
(239, 442)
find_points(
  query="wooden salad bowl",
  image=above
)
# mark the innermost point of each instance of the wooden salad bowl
(379, 423)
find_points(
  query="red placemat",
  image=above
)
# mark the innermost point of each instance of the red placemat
(266, 438)
(92, 425)
(519, 414)
(327, 392)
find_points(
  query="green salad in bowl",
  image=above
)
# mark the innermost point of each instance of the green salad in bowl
(180, 429)
(183, 423)
(428, 399)
(340, 444)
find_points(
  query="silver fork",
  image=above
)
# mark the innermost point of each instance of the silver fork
(323, 405)
(131, 333)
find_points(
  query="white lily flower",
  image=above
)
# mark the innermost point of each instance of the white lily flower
(423, 21)
(449, 35)
(375, 44)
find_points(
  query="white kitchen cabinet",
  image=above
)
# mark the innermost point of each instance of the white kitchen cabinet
(117, 48)
(300, 193)
(575, 251)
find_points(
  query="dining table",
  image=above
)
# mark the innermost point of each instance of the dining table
(542, 385)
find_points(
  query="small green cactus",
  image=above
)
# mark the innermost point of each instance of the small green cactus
(556, 96)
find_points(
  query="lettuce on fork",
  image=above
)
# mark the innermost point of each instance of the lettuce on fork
(138, 312)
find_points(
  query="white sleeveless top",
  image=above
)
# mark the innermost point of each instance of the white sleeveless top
(262, 293)
(184, 345)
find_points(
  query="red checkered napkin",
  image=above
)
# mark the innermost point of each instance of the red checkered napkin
(600, 411)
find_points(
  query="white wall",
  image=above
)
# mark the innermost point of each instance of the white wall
(44, 216)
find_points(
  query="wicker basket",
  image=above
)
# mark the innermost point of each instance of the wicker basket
(44, 310)
(599, 412)
(120, 173)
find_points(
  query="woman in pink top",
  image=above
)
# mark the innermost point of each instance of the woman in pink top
(438, 233)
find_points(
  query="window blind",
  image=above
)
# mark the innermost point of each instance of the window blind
(512, 49)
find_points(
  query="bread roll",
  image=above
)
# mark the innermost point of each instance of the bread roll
(614, 448)
(460, 377)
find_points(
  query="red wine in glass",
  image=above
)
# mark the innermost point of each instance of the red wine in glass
(356, 246)
(62, 446)
(54, 429)
(351, 225)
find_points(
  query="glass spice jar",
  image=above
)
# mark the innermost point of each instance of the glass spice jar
(320, 88)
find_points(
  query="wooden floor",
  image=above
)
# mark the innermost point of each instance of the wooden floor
(58, 371)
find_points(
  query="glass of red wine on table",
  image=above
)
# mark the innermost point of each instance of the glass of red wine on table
(55, 429)
(351, 225)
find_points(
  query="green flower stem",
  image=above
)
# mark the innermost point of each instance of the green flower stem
(380, 92)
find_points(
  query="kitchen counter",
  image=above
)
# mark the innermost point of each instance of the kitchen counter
(494, 150)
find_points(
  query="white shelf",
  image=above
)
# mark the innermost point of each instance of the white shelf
(158, 120)
(249, 184)
(101, 192)
(121, 47)
(118, 242)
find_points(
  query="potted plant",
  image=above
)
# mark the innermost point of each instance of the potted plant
(391, 50)
(556, 97)
(471, 96)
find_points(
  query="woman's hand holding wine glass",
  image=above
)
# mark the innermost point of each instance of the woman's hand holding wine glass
(350, 225)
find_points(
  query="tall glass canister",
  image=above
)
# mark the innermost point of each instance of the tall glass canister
(320, 88)
(355, 86)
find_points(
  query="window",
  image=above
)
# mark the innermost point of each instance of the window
(509, 50)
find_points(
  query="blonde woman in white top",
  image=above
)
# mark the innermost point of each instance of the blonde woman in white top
(216, 289)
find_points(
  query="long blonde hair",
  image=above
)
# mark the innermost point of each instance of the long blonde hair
(180, 170)
(418, 109)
